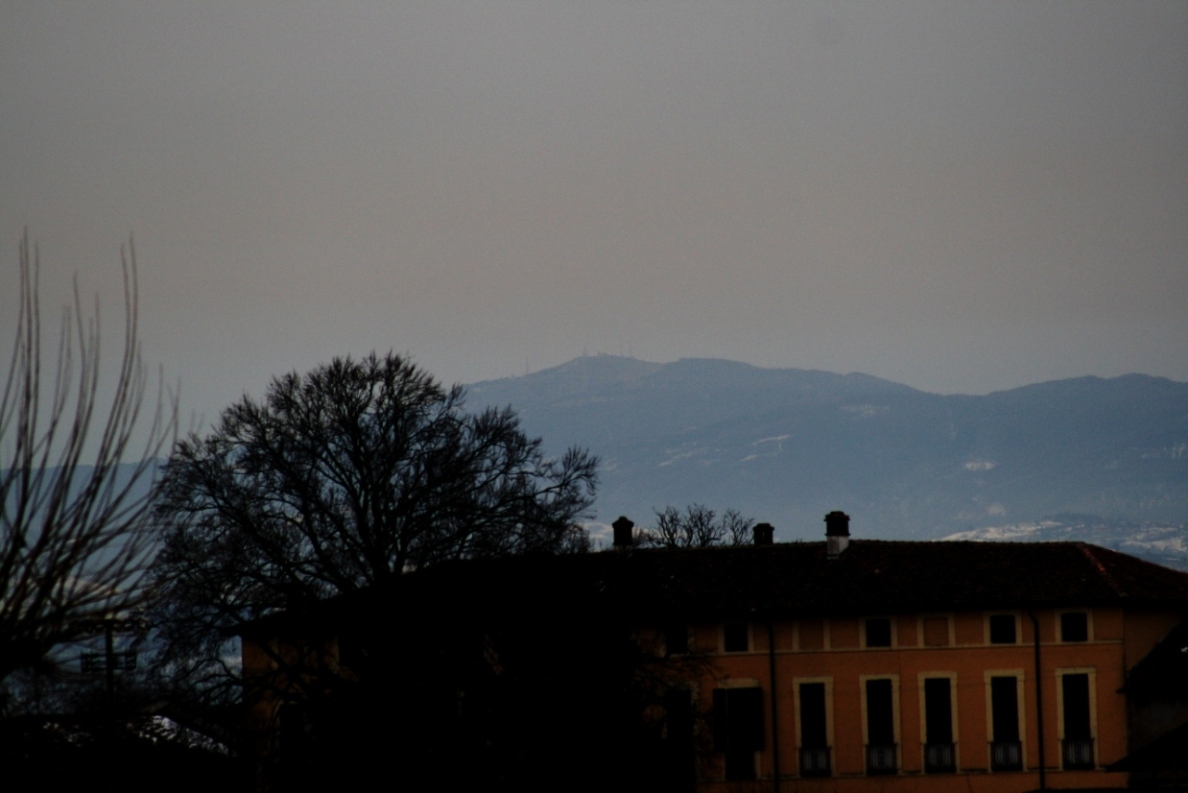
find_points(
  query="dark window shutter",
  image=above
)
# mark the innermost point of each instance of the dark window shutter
(1074, 626)
(1005, 704)
(736, 637)
(721, 719)
(812, 716)
(878, 632)
(738, 719)
(880, 720)
(676, 640)
(938, 710)
(1002, 629)
(746, 716)
(680, 749)
(1076, 707)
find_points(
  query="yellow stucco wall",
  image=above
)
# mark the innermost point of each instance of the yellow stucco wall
(1117, 641)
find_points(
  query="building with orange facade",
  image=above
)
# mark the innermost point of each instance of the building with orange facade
(919, 666)
(875, 665)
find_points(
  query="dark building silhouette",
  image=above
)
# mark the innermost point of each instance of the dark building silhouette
(801, 666)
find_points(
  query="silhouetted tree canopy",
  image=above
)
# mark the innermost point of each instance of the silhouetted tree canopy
(341, 479)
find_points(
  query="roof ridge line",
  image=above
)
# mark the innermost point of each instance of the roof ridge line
(1101, 568)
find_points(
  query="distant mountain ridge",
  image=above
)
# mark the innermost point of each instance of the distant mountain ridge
(789, 445)
(1163, 544)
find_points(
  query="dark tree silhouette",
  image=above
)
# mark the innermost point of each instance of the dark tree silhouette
(340, 480)
(74, 538)
(697, 527)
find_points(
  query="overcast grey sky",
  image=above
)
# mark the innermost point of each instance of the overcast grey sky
(963, 197)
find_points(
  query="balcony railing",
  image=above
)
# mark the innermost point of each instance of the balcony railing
(1078, 754)
(1006, 756)
(940, 758)
(880, 759)
(814, 761)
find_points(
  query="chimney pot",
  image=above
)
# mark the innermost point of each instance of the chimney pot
(764, 533)
(623, 532)
(837, 533)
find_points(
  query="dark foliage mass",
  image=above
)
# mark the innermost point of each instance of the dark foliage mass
(77, 753)
(344, 479)
(512, 674)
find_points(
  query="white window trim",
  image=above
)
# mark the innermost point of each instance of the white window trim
(1091, 671)
(952, 678)
(722, 638)
(1059, 634)
(947, 616)
(862, 631)
(745, 682)
(825, 645)
(895, 717)
(1021, 703)
(828, 681)
(1018, 627)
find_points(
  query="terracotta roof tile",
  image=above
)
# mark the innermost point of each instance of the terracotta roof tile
(888, 576)
(786, 580)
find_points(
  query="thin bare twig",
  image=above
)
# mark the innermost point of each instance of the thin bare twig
(74, 517)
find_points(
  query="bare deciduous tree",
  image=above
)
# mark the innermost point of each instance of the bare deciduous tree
(73, 514)
(697, 527)
(342, 479)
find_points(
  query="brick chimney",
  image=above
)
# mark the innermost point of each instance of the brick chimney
(764, 534)
(837, 533)
(623, 536)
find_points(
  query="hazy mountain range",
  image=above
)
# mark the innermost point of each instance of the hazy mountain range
(1100, 460)
(789, 445)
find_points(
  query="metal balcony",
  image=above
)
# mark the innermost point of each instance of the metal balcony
(1006, 756)
(1077, 754)
(881, 759)
(814, 761)
(940, 758)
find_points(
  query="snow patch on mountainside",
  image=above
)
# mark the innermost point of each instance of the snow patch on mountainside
(865, 411)
(1164, 539)
(1163, 544)
(1015, 532)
